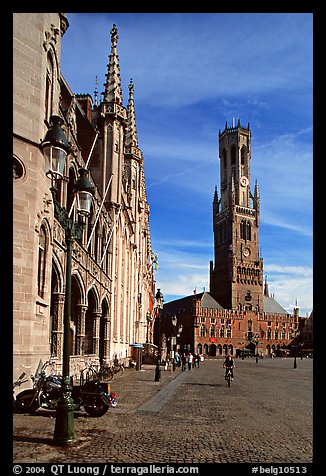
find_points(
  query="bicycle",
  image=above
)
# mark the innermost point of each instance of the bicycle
(228, 376)
(107, 372)
(88, 373)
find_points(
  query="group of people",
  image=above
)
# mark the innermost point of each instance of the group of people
(190, 361)
(185, 361)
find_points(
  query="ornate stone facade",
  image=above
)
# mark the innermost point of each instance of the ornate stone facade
(113, 284)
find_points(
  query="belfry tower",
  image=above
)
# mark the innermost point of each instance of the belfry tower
(236, 276)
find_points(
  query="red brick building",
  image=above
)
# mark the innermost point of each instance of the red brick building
(238, 312)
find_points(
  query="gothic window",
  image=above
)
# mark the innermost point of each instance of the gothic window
(70, 188)
(233, 155)
(245, 230)
(248, 231)
(242, 156)
(228, 333)
(49, 86)
(41, 261)
(222, 332)
(103, 245)
(202, 330)
(269, 333)
(212, 331)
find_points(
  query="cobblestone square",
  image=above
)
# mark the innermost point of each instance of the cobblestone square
(188, 417)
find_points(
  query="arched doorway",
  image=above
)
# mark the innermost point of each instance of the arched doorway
(105, 331)
(91, 324)
(76, 333)
(56, 313)
(212, 350)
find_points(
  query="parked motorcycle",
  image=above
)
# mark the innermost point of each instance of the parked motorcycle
(21, 379)
(93, 395)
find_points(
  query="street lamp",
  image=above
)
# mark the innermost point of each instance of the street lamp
(56, 148)
(159, 307)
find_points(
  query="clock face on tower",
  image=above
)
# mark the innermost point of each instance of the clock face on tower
(244, 181)
(246, 251)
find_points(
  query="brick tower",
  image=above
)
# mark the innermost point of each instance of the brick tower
(236, 276)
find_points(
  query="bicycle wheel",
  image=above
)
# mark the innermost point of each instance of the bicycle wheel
(118, 370)
(106, 373)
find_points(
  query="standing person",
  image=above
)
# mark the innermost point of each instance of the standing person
(229, 365)
(177, 359)
(190, 360)
(183, 361)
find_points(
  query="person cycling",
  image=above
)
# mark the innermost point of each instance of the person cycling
(228, 365)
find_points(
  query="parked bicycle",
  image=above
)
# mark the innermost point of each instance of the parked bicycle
(107, 372)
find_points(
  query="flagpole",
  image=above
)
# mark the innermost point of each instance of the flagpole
(98, 213)
(86, 166)
(106, 247)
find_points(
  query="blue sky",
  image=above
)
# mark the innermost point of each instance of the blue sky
(192, 72)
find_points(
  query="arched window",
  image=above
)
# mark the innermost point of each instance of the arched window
(70, 188)
(202, 330)
(49, 86)
(245, 230)
(42, 248)
(233, 155)
(243, 152)
(212, 330)
(248, 231)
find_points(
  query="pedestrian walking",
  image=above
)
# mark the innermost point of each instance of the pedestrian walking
(190, 360)
(183, 361)
(177, 359)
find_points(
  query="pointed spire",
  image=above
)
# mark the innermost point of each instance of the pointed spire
(96, 92)
(113, 92)
(266, 292)
(216, 202)
(131, 138)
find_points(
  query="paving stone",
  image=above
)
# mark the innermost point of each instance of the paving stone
(188, 417)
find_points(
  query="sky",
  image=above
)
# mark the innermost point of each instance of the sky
(192, 73)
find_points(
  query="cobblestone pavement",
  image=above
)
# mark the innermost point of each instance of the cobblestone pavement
(188, 417)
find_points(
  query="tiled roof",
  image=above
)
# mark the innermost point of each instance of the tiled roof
(271, 306)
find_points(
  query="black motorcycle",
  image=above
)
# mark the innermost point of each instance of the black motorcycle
(93, 395)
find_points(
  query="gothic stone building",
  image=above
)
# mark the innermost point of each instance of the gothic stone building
(113, 286)
(238, 312)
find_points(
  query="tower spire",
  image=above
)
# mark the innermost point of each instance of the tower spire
(112, 91)
(266, 292)
(96, 92)
(131, 139)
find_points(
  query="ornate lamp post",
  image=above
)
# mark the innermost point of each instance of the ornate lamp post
(56, 148)
(159, 307)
